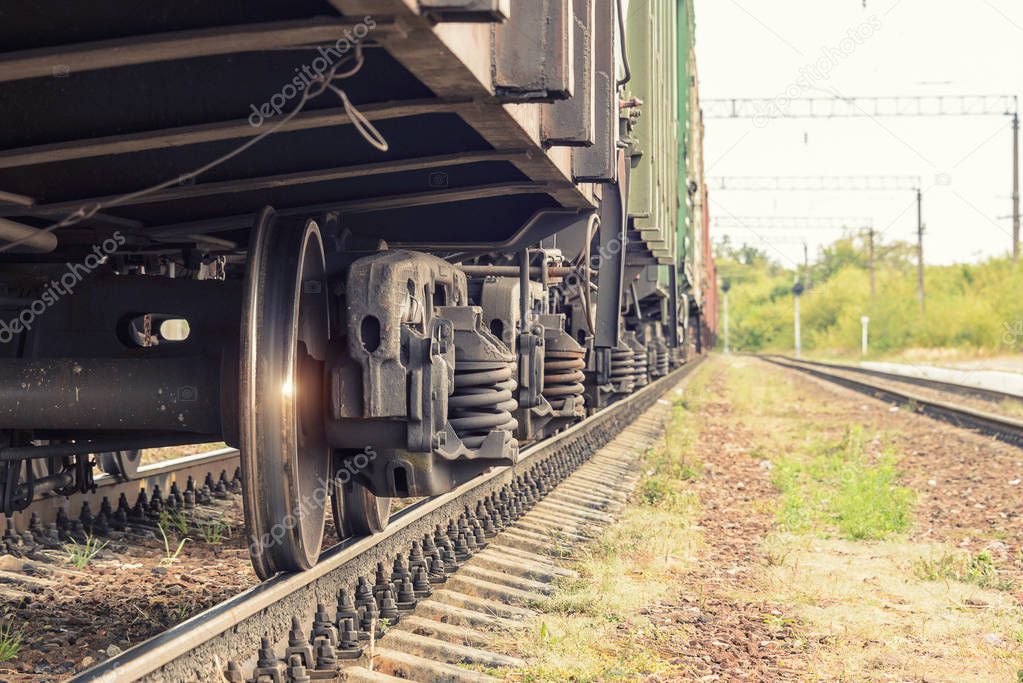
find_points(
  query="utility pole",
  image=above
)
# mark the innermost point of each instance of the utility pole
(920, 250)
(806, 265)
(1015, 187)
(864, 326)
(838, 107)
(870, 247)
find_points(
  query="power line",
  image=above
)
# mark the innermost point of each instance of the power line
(859, 107)
(761, 110)
(852, 183)
(790, 222)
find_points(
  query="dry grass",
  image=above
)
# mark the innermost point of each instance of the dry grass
(594, 628)
(878, 621)
(860, 609)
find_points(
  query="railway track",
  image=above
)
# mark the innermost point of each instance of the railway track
(1001, 427)
(938, 385)
(192, 477)
(452, 568)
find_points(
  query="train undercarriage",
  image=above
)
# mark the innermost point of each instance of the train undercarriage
(416, 272)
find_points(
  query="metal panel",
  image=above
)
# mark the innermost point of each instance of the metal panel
(466, 10)
(611, 278)
(570, 122)
(533, 53)
(653, 194)
(598, 163)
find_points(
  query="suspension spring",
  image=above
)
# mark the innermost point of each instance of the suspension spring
(483, 400)
(622, 369)
(662, 358)
(562, 376)
(640, 370)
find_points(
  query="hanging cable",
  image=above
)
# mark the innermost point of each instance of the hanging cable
(318, 86)
(625, 52)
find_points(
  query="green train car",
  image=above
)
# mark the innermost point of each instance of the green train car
(436, 231)
(667, 193)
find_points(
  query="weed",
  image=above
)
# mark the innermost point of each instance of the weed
(170, 557)
(10, 640)
(214, 531)
(594, 627)
(776, 550)
(79, 555)
(963, 567)
(839, 487)
(174, 520)
(671, 465)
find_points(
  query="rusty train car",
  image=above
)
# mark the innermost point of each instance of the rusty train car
(378, 245)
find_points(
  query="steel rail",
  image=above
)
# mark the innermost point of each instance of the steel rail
(148, 476)
(939, 385)
(198, 649)
(1003, 428)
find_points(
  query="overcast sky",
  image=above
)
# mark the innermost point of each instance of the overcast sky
(764, 48)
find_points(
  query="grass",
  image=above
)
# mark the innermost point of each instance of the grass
(214, 531)
(669, 467)
(596, 627)
(79, 555)
(882, 620)
(10, 640)
(963, 567)
(170, 556)
(837, 486)
(175, 520)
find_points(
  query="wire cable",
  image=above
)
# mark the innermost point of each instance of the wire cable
(625, 52)
(319, 85)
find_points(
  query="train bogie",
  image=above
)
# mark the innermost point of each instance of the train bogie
(379, 246)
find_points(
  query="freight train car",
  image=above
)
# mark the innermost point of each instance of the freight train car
(395, 239)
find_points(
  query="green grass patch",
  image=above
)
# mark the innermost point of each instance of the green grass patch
(10, 640)
(669, 467)
(79, 555)
(840, 488)
(964, 567)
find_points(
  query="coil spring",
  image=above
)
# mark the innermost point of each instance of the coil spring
(562, 376)
(483, 400)
(662, 359)
(639, 369)
(622, 364)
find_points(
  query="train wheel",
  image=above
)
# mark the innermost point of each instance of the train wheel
(357, 511)
(284, 457)
(121, 464)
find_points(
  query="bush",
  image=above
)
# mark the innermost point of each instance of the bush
(972, 306)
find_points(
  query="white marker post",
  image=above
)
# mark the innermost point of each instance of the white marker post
(725, 286)
(797, 289)
(865, 325)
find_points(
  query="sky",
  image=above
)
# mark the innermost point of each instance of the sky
(770, 48)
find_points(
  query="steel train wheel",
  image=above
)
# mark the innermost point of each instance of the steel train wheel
(284, 457)
(121, 464)
(358, 511)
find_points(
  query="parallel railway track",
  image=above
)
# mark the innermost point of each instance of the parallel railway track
(200, 467)
(1002, 427)
(927, 383)
(542, 506)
